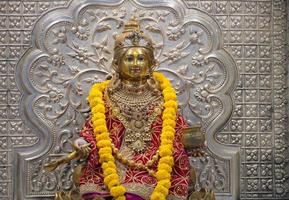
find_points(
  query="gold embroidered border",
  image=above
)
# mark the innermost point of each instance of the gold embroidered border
(142, 190)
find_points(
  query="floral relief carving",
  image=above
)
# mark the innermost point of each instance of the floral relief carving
(63, 49)
(14, 7)
(236, 7)
(207, 6)
(252, 185)
(251, 7)
(209, 174)
(250, 36)
(236, 22)
(251, 140)
(70, 53)
(252, 170)
(265, 7)
(29, 7)
(221, 6)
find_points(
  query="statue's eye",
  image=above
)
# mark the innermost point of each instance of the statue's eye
(129, 59)
(140, 58)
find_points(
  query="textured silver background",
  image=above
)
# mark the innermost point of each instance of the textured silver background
(258, 124)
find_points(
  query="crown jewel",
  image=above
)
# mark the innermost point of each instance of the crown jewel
(132, 36)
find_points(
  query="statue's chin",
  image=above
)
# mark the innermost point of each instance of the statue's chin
(134, 78)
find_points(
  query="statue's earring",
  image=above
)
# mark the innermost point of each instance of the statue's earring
(114, 83)
(115, 65)
(155, 64)
(153, 84)
(152, 68)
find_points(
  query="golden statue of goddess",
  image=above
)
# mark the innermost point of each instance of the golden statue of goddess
(132, 143)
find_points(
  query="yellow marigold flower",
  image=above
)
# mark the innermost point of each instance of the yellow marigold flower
(99, 122)
(169, 135)
(165, 166)
(169, 111)
(168, 128)
(98, 109)
(170, 96)
(105, 157)
(120, 198)
(107, 165)
(169, 122)
(105, 150)
(166, 150)
(102, 136)
(162, 174)
(171, 104)
(98, 116)
(162, 189)
(165, 85)
(113, 183)
(103, 143)
(158, 196)
(95, 87)
(117, 191)
(158, 76)
(94, 93)
(164, 79)
(100, 129)
(103, 85)
(166, 183)
(166, 146)
(169, 90)
(169, 116)
(108, 171)
(168, 160)
(166, 141)
(109, 178)
(96, 100)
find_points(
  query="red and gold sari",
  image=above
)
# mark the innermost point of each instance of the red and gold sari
(139, 184)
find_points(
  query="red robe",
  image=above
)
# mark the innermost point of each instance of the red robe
(136, 181)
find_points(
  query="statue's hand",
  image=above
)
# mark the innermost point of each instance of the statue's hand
(51, 166)
(82, 151)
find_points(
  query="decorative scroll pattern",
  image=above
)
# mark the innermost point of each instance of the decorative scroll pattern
(78, 52)
(211, 172)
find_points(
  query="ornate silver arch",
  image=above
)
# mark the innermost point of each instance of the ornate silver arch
(72, 47)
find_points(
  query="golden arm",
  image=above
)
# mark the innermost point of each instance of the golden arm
(79, 153)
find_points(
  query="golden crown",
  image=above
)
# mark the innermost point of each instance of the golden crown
(132, 36)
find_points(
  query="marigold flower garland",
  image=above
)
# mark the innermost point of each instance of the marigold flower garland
(104, 144)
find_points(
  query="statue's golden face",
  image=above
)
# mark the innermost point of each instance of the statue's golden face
(134, 64)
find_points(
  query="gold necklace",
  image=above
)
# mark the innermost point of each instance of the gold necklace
(137, 165)
(128, 99)
(136, 119)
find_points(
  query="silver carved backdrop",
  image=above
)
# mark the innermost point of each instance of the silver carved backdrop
(253, 32)
(72, 48)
